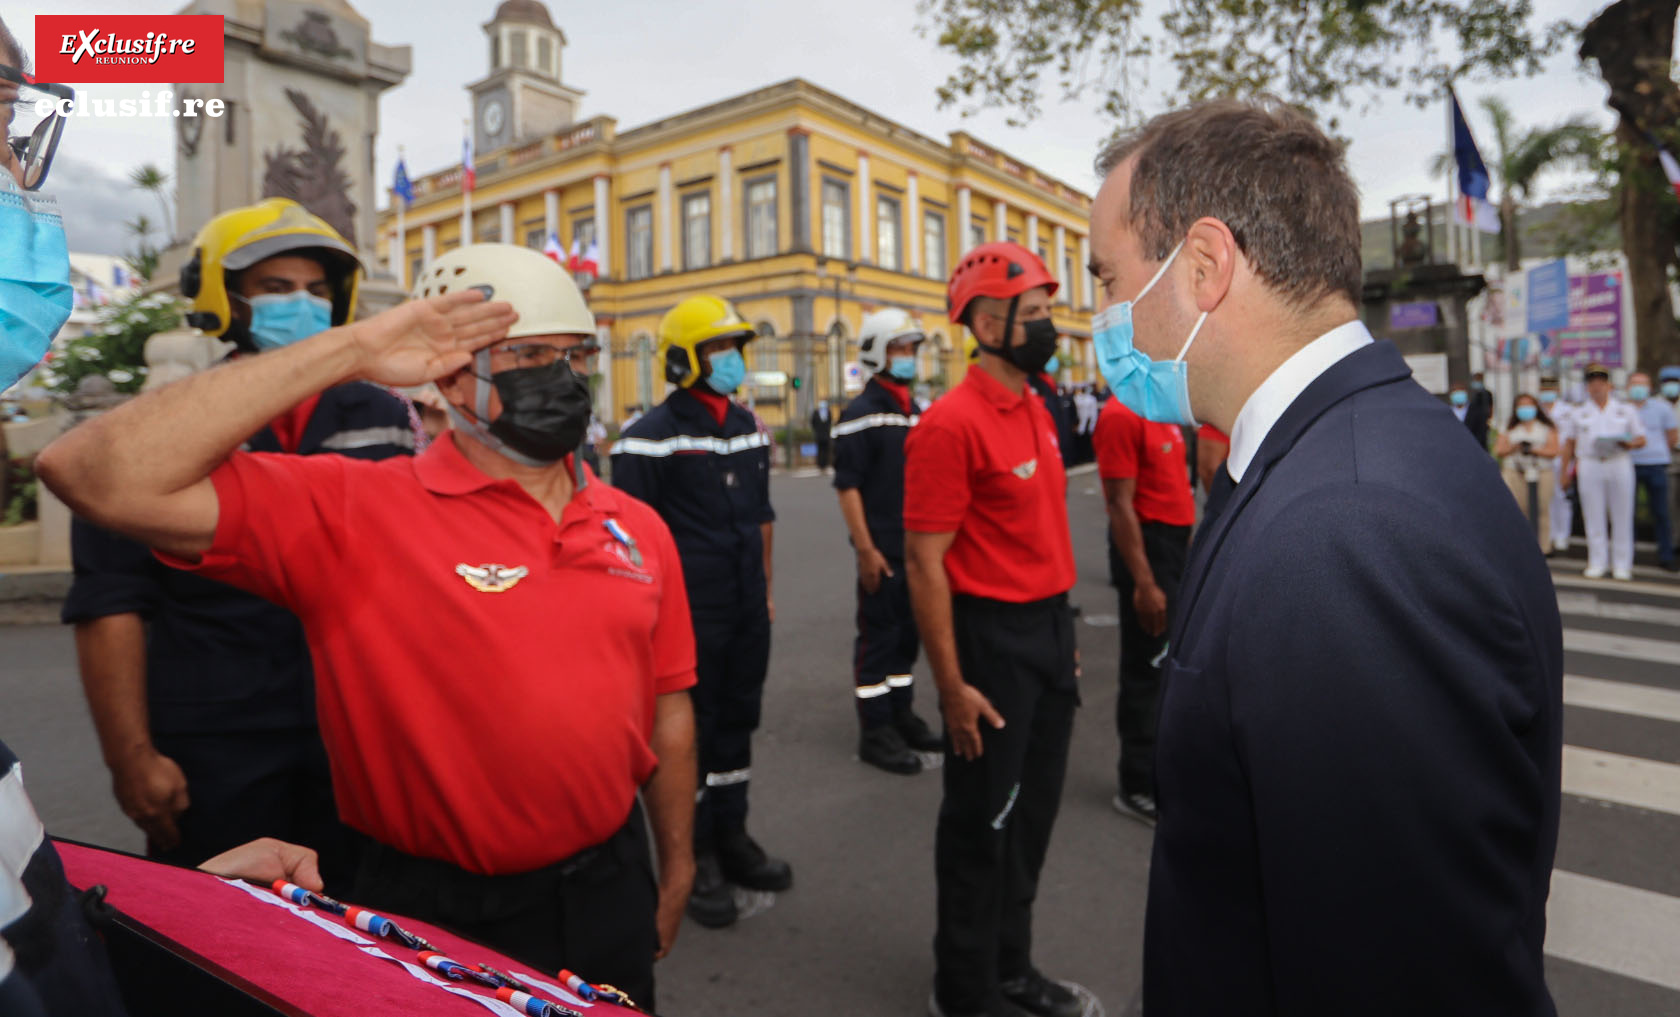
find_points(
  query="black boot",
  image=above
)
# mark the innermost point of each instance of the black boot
(712, 901)
(916, 732)
(1038, 995)
(884, 747)
(746, 864)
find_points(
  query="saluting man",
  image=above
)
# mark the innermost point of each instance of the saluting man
(700, 460)
(990, 562)
(502, 651)
(869, 475)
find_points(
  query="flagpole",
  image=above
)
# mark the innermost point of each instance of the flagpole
(401, 267)
(466, 192)
(1452, 183)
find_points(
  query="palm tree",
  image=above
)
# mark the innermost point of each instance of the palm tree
(1519, 161)
(144, 260)
(148, 177)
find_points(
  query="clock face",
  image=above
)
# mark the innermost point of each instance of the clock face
(492, 115)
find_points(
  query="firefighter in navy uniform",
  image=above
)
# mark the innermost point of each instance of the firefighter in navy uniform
(203, 695)
(699, 459)
(869, 474)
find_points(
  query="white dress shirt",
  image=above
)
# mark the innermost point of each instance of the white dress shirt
(1283, 386)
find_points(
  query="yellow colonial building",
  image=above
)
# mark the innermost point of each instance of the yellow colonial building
(806, 210)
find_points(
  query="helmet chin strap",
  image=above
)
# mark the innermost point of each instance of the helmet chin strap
(1008, 332)
(475, 426)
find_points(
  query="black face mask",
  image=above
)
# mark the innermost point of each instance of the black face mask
(545, 410)
(1037, 348)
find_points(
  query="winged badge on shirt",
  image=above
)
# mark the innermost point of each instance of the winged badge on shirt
(492, 578)
(1026, 469)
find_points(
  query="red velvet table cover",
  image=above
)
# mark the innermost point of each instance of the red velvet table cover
(287, 957)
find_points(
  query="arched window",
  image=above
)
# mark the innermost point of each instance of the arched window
(643, 346)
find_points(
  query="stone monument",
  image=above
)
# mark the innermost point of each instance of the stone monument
(301, 92)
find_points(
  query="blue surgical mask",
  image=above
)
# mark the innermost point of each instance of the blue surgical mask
(1671, 389)
(902, 368)
(1459, 397)
(1639, 393)
(1548, 398)
(1475, 385)
(1052, 365)
(35, 292)
(729, 369)
(280, 319)
(1152, 389)
(1527, 413)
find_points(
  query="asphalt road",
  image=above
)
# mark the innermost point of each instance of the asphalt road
(854, 934)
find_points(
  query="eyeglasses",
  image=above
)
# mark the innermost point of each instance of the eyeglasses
(31, 136)
(580, 358)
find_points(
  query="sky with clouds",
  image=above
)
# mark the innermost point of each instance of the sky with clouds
(641, 60)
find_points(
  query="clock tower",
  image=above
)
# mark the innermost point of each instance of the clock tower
(522, 96)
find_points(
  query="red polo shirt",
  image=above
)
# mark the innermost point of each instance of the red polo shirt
(1129, 446)
(983, 462)
(485, 678)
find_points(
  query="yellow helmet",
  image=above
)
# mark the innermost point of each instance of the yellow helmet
(694, 321)
(236, 240)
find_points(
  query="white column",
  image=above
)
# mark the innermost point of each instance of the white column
(1058, 251)
(399, 249)
(506, 208)
(428, 245)
(466, 218)
(551, 214)
(1029, 240)
(865, 249)
(965, 217)
(608, 410)
(913, 225)
(603, 227)
(1084, 275)
(1000, 220)
(726, 205)
(667, 213)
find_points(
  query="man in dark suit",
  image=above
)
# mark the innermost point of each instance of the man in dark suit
(822, 430)
(1358, 759)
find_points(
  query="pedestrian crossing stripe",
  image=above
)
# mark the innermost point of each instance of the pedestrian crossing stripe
(1605, 644)
(1621, 697)
(1625, 780)
(1624, 930)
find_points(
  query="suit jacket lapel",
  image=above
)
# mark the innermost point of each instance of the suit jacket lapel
(1376, 364)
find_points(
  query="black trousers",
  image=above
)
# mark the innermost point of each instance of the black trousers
(1138, 706)
(594, 913)
(998, 810)
(825, 448)
(885, 649)
(254, 784)
(733, 653)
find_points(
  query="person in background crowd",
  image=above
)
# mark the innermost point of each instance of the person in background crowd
(1652, 460)
(990, 561)
(1357, 767)
(1668, 386)
(1602, 432)
(869, 476)
(502, 651)
(1525, 450)
(593, 436)
(1044, 383)
(1212, 446)
(1146, 490)
(203, 695)
(1481, 408)
(700, 460)
(822, 426)
(630, 419)
(1561, 509)
(1467, 407)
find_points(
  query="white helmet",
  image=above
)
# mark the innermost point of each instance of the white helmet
(541, 291)
(879, 331)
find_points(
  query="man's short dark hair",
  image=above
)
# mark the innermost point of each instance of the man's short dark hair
(1267, 172)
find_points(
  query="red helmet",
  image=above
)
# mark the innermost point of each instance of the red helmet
(1000, 269)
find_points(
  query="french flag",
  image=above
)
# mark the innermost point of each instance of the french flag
(574, 261)
(1671, 169)
(591, 262)
(1473, 207)
(553, 249)
(469, 179)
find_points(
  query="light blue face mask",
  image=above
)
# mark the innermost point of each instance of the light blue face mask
(729, 369)
(1052, 365)
(1154, 390)
(1671, 389)
(1458, 397)
(902, 368)
(281, 319)
(35, 293)
(1639, 393)
(1527, 413)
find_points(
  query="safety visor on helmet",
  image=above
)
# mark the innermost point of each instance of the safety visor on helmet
(31, 113)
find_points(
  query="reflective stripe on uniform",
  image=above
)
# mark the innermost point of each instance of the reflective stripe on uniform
(21, 834)
(728, 777)
(900, 681)
(367, 437)
(872, 691)
(874, 420)
(659, 449)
